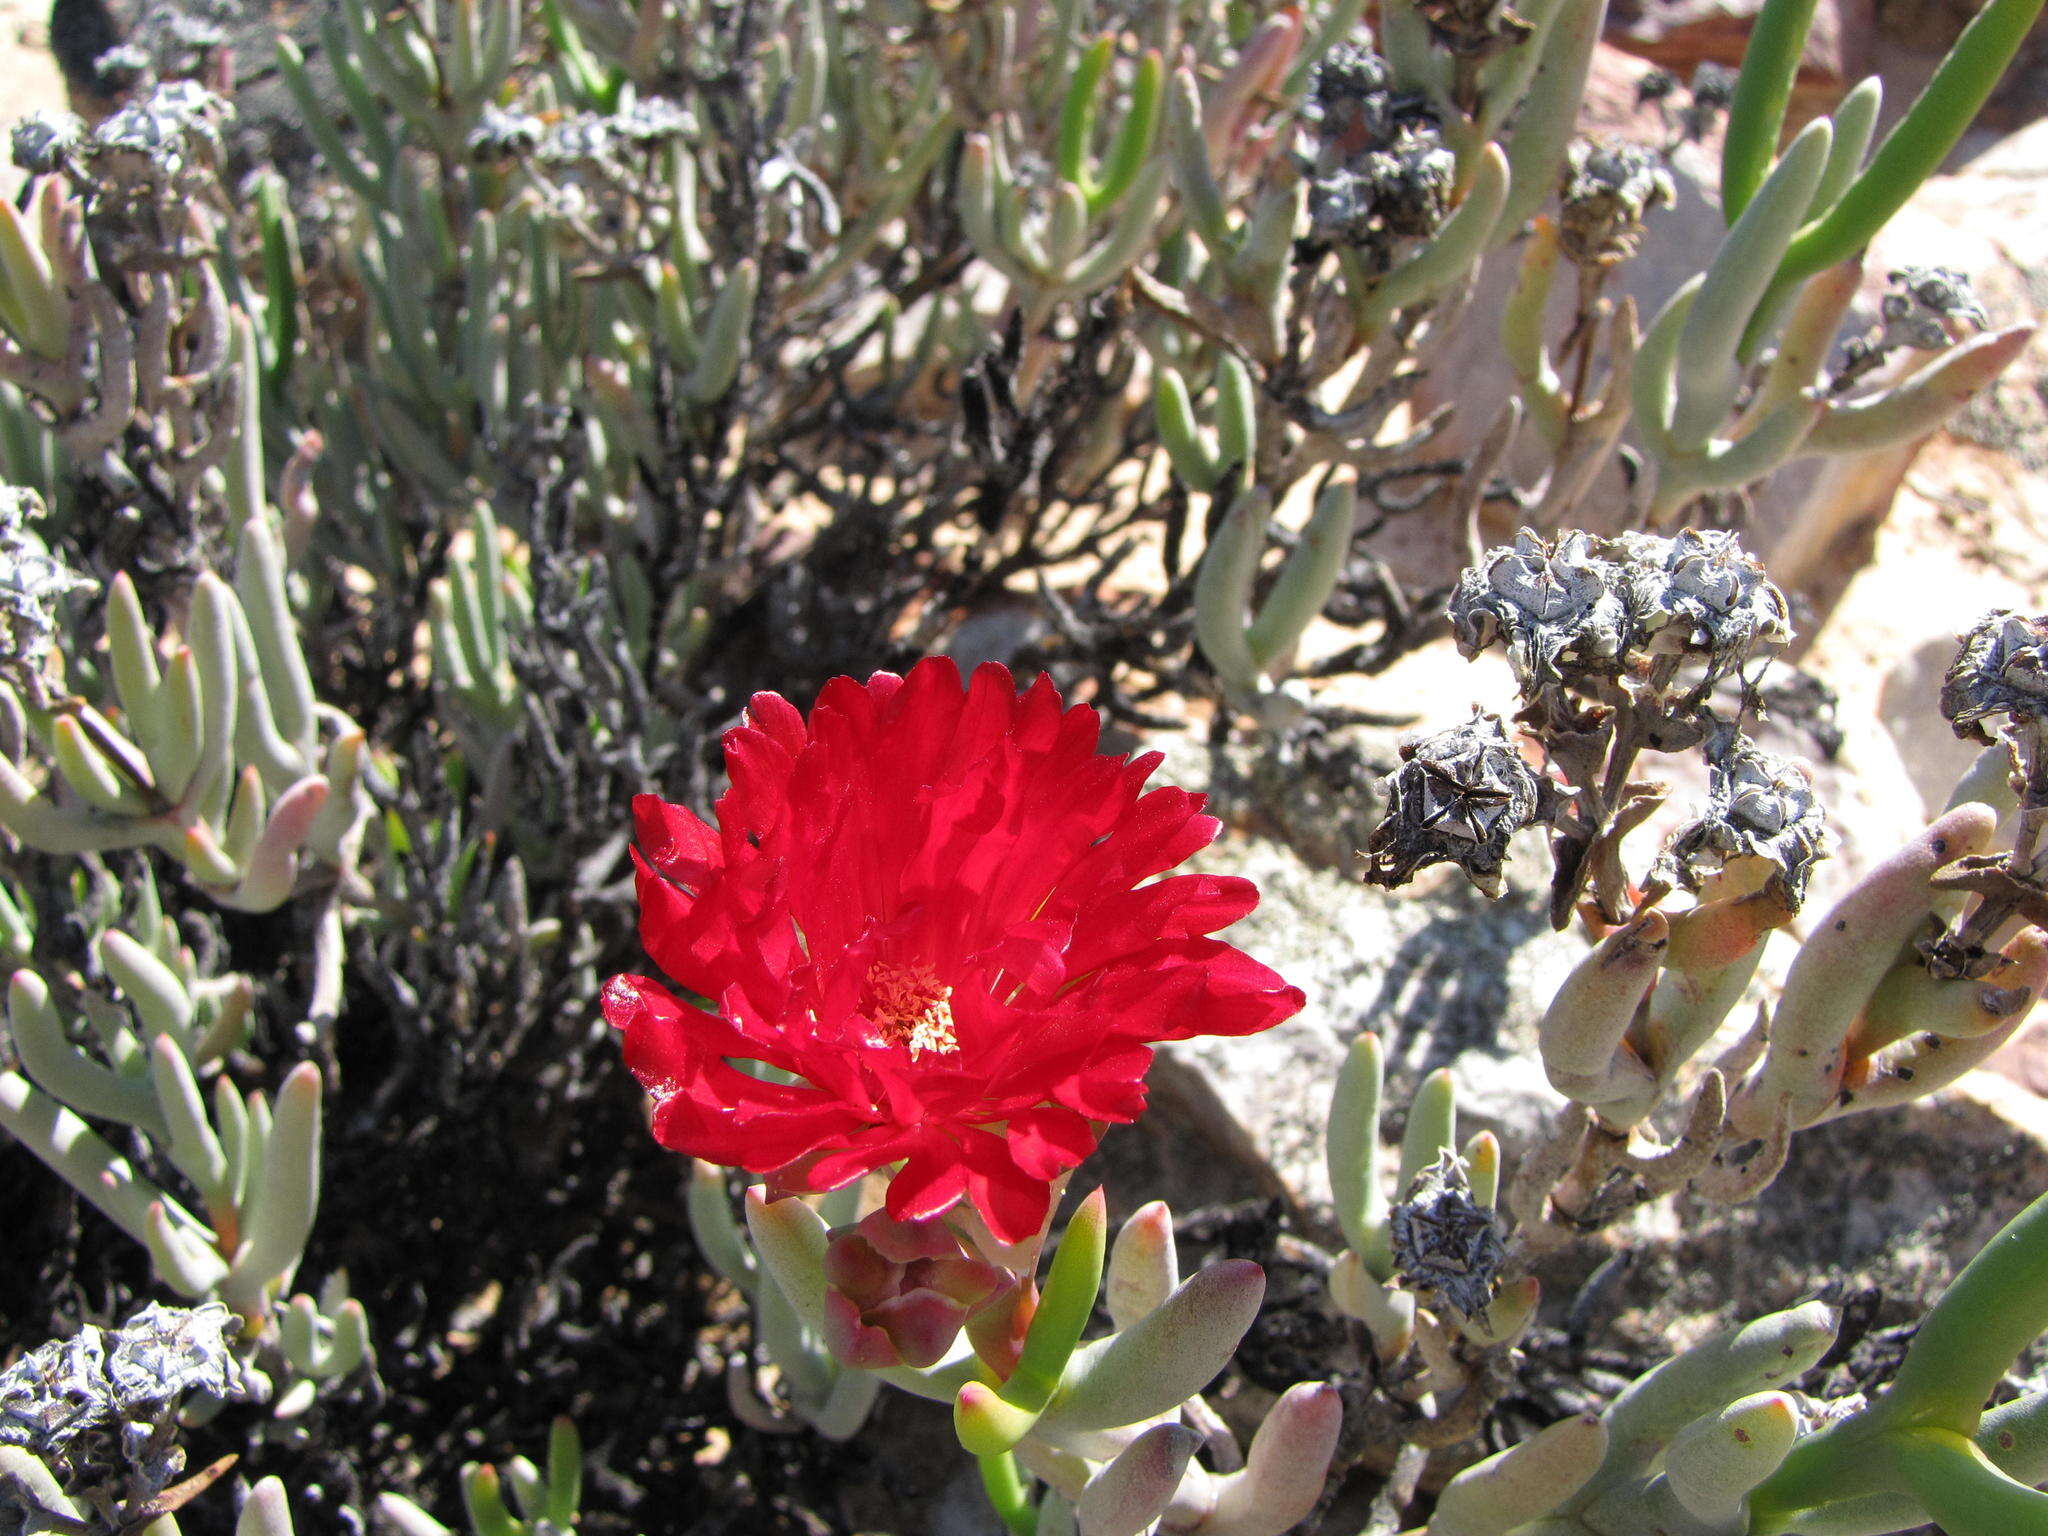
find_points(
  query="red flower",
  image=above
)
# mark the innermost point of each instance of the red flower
(931, 911)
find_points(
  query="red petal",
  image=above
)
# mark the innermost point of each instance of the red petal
(676, 841)
(853, 1341)
(930, 1182)
(1045, 1143)
(1179, 906)
(1011, 1201)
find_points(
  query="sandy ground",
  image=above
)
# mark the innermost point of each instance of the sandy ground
(28, 75)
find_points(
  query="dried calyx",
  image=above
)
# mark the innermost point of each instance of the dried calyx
(1700, 595)
(1926, 309)
(1445, 1242)
(1474, 29)
(2002, 670)
(2001, 673)
(100, 1408)
(1457, 798)
(1607, 190)
(1577, 609)
(1379, 172)
(1760, 807)
(31, 584)
(1559, 607)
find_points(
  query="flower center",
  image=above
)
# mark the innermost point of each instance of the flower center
(911, 1006)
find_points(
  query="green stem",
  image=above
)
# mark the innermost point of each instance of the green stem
(1919, 142)
(1990, 1312)
(1008, 1494)
(1756, 116)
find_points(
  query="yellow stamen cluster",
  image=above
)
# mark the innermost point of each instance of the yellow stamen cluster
(911, 1006)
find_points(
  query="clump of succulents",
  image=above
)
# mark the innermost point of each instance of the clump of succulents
(403, 502)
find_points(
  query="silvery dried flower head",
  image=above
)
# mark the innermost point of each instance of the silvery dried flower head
(503, 135)
(98, 1379)
(1554, 605)
(1712, 92)
(1411, 183)
(652, 120)
(1759, 806)
(1655, 85)
(1340, 211)
(1397, 192)
(1474, 29)
(1607, 190)
(1458, 797)
(1351, 103)
(196, 34)
(159, 142)
(122, 67)
(31, 582)
(1924, 309)
(44, 141)
(1713, 86)
(586, 140)
(1700, 594)
(2002, 669)
(1925, 302)
(1444, 1241)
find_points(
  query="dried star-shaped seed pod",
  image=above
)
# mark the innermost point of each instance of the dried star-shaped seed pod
(503, 135)
(1473, 29)
(1930, 300)
(162, 1353)
(1759, 806)
(1444, 1241)
(1411, 182)
(70, 1388)
(44, 141)
(1552, 604)
(1607, 190)
(1457, 798)
(1925, 309)
(1701, 595)
(1351, 104)
(2002, 669)
(31, 582)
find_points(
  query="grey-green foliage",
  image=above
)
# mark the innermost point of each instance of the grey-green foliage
(544, 1502)
(815, 1389)
(1679, 1450)
(147, 1037)
(214, 750)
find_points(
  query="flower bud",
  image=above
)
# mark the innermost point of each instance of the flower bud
(898, 1292)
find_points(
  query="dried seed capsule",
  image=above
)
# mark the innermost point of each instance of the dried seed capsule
(31, 582)
(1699, 593)
(2002, 669)
(1760, 806)
(1925, 309)
(1351, 104)
(1555, 606)
(503, 135)
(78, 1403)
(1473, 29)
(1446, 1242)
(1457, 798)
(44, 141)
(1608, 188)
